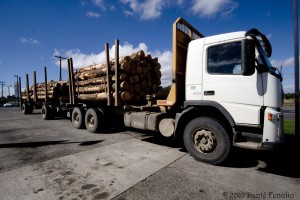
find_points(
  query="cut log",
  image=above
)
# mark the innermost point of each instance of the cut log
(93, 97)
(92, 89)
(123, 77)
(91, 74)
(123, 86)
(90, 68)
(93, 81)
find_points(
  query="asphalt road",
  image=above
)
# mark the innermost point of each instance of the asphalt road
(289, 114)
(52, 160)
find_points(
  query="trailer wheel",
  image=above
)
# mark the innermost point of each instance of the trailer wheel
(78, 117)
(206, 140)
(26, 109)
(93, 119)
(47, 112)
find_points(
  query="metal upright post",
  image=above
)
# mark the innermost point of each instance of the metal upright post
(27, 88)
(17, 90)
(72, 81)
(108, 76)
(34, 87)
(296, 57)
(46, 86)
(20, 93)
(117, 95)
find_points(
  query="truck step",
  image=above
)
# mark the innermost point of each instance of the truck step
(248, 145)
(248, 140)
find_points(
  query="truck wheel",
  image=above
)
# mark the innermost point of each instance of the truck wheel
(93, 119)
(206, 140)
(25, 108)
(78, 117)
(47, 112)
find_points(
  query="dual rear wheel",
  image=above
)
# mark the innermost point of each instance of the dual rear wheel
(48, 112)
(26, 108)
(91, 119)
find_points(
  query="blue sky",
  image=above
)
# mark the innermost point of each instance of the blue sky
(33, 31)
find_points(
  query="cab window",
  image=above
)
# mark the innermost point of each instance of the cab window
(225, 59)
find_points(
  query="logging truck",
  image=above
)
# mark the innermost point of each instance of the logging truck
(224, 93)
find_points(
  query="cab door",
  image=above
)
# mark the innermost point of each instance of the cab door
(224, 83)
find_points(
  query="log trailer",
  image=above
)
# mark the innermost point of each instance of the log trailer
(45, 96)
(225, 93)
(31, 101)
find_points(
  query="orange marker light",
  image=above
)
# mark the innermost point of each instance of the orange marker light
(270, 116)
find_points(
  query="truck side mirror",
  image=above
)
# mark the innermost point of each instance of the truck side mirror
(248, 57)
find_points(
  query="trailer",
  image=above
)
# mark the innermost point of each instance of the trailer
(225, 93)
(38, 96)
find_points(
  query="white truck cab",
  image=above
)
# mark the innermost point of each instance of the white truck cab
(214, 74)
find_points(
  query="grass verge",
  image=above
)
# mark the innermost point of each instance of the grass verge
(289, 127)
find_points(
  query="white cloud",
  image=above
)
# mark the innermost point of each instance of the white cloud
(147, 9)
(165, 59)
(153, 9)
(206, 8)
(82, 60)
(93, 14)
(289, 62)
(31, 41)
(99, 3)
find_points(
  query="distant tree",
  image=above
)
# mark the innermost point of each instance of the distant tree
(166, 90)
(289, 96)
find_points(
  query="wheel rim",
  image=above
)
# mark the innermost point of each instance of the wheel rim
(204, 140)
(76, 118)
(90, 120)
(43, 111)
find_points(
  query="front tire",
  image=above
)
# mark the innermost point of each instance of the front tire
(206, 140)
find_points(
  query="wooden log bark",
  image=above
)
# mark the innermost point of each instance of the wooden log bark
(125, 96)
(93, 97)
(90, 68)
(123, 85)
(93, 81)
(91, 74)
(92, 89)
(123, 77)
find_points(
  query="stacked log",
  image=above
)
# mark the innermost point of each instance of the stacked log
(55, 90)
(139, 76)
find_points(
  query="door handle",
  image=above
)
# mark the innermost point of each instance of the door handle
(209, 93)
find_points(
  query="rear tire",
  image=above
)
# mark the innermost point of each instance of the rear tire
(78, 116)
(206, 140)
(26, 109)
(47, 112)
(93, 120)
